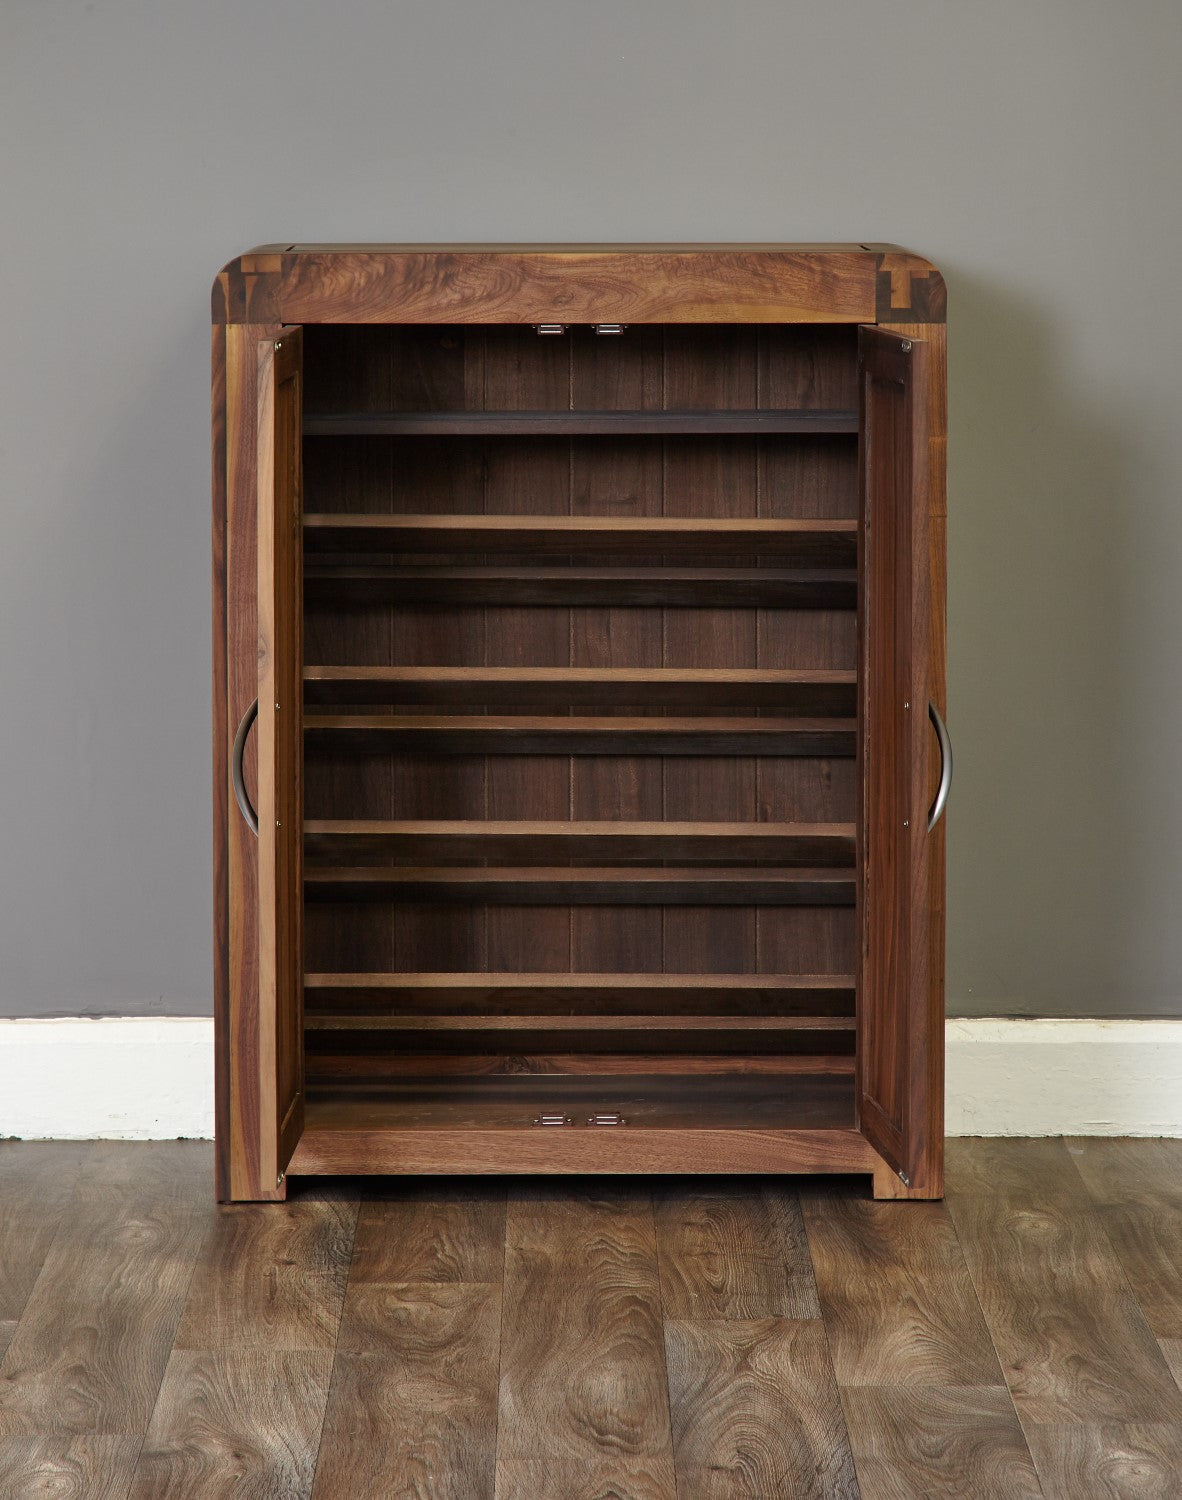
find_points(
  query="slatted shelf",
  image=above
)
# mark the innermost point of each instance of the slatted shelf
(820, 692)
(551, 735)
(648, 1103)
(821, 541)
(784, 588)
(367, 841)
(574, 423)
(489, 993)
(566, 885)
(357, 1064)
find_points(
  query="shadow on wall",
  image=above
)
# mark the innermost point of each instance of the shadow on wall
(1055, 864)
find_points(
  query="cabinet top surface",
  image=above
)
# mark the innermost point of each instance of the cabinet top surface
(576, 283)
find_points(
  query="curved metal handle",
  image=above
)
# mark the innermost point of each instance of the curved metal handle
(241, 796)
(937, 810)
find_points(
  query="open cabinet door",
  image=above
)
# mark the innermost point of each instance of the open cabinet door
(899, 1033)
(280, 750)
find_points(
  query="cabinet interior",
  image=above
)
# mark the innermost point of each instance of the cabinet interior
(579, 642)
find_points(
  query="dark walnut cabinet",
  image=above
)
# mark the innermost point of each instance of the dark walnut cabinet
(578, 671)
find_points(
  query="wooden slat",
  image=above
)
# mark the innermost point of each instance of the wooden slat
(467, 1025)
(824, 692)
(406, 1065)
(488, 994)
(783, 588)
(547, 886)
(823, 541)
(572, 423)
(372, 841)
(541, 735)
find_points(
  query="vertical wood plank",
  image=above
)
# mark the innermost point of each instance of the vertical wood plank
(272, 1277)
(232, 1423)
(732, 1252)
(898, 1302)
(80, 1467)
(38, 1181)
(583, 1407)
(413, 1405)
(1074, 1345)
(920, 1442)
(242, 341)
(756, 1412)
(90, 1349)
(443, 1230)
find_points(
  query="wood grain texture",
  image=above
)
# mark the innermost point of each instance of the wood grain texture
(38, 1180)
(898, 1303)
(1108, 1461)
(246, 1178)
(755, 1412)
(1074, 1345)
(67, 1467)
(279, 731)
(93, 1339)
(442, 1231)
(582, 1392)
(899, 1037)
(234, 1423)
(272, 1277)
(732, 1252)
(413, 1405)
(520, 284)
(1136, 1186)
(921, 1442)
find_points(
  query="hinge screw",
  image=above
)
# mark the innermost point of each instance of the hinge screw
(279, 1180)
(906, 346)
(278, 824)
(906, 705)
(279, 344)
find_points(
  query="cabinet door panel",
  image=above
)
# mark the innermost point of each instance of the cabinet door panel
(897, 1030)
(280, 749)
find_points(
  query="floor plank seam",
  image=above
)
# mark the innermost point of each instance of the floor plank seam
(336, 1344)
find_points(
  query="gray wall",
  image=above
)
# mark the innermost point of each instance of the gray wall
(1030, 150)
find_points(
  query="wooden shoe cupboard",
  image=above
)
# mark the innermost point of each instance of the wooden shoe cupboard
(577, 614)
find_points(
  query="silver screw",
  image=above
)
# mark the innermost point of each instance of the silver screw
(279, 1180)
(906, 822)
(278, 824)
(905, 346)
(906, 705)
(904, 1179)
(279, 344)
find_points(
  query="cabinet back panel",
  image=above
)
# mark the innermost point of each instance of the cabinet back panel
(379, 369)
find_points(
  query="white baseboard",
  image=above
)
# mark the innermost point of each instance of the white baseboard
(151, 1078)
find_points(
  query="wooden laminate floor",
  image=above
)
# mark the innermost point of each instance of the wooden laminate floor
(583, 1340)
